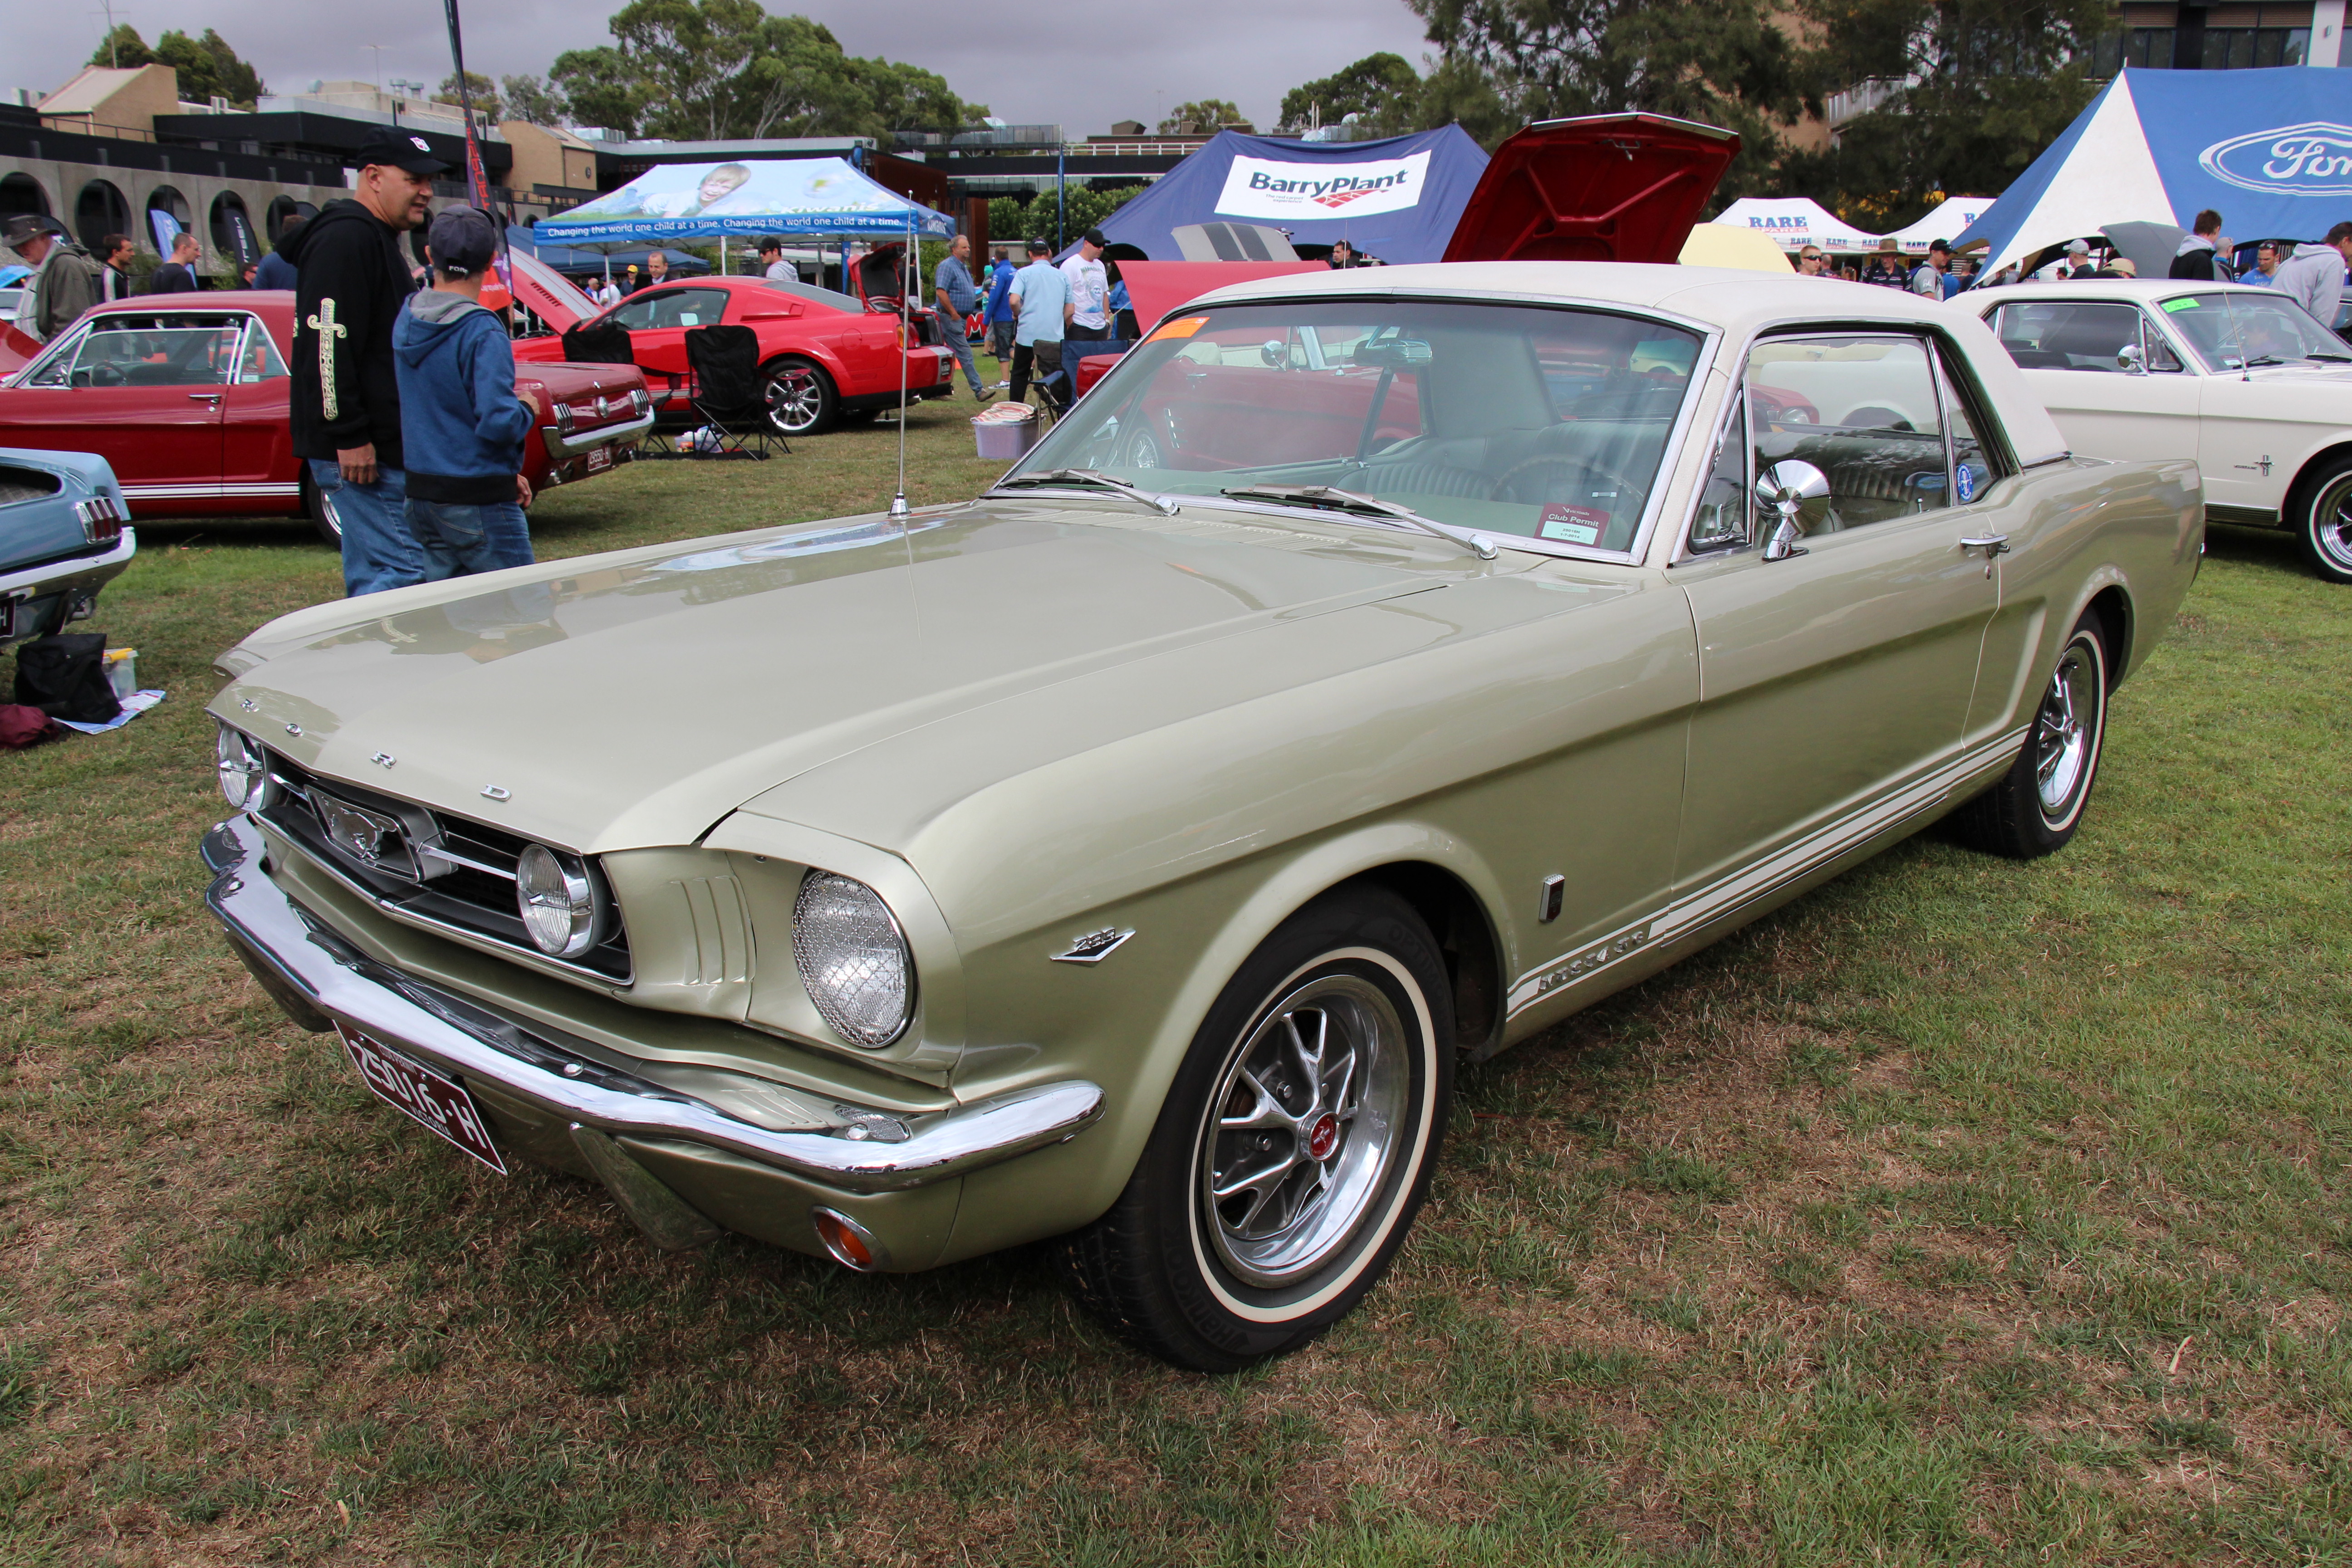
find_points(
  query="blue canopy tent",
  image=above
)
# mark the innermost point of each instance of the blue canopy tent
(2269, 150)
(1397, 199)
(806, 197)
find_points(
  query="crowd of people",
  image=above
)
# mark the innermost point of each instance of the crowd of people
(63, 279)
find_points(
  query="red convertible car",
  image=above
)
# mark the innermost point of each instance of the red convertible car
(823, 355)
(185, 396)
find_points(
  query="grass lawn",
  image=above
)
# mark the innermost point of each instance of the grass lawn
(1964, 1210)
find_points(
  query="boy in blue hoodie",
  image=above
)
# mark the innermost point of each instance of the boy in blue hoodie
(461, 425)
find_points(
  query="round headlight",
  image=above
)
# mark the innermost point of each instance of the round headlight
(853, 959)
(557, 901)
(244, 771)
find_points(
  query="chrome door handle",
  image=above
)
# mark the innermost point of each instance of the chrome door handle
(203, 397)
(1992, 544)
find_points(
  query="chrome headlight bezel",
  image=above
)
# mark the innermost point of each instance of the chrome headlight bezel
(561, 904)
(243, 769)
(853, 958)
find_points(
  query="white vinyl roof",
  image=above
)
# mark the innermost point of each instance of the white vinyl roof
(1738, 304)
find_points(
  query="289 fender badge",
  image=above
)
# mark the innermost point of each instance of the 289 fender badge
(1094, 946)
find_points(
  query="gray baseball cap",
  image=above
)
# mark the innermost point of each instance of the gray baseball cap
(462, 240)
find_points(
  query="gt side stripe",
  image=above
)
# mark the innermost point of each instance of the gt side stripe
(1756, 881)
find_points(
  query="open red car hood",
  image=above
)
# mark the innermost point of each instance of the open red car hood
(1605, 187)
(550, 296)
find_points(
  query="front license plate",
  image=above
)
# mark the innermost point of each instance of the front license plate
(440, 1103)
(599, 459)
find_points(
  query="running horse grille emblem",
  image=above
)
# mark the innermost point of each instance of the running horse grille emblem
(369, 836)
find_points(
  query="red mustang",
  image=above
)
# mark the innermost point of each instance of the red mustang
(823, 355)
(185, 396)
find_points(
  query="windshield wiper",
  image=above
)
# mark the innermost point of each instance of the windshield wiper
(2261, 359)
(1325, 498)
(2346, 357)
(1159, 504)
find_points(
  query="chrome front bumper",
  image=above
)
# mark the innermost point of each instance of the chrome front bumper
(308, 969)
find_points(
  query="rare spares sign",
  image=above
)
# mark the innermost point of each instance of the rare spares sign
(1263, 188)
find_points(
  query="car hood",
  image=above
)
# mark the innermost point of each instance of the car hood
(1603, 187)
(635, 699)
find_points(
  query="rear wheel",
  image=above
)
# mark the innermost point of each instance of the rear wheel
(1293, 1149)
(2321, 515)
(800, 398)
(2039, 803)
(320, 511)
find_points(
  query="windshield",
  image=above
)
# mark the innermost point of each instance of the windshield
(2232, 331)
(1546, 424)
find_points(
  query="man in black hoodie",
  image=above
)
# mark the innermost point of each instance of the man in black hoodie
(352, 276)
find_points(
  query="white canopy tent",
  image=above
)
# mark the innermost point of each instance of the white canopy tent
(1794, 222)
(1951, 219)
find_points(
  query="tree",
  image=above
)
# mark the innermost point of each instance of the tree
(1383, 90)
(1725, 62)
(531, 99)
(206, 66)
(1205, 115)
(601, 86)
(484, 96)
(1976, 89)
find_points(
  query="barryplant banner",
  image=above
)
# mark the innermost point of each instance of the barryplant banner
(1265, 188)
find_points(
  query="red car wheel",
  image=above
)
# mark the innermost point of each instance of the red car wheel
(800, 398)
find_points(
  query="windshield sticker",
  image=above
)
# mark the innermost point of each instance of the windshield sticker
(1965, 481)
(2178, 305)
(1183, 327)
(1572, 524)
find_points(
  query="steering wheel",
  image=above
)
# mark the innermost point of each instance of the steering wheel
(1595, 478)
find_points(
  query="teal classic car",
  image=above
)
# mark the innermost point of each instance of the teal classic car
(1373, 670)
(62, 539)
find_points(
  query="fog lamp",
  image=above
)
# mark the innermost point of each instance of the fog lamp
(557, 900)
(244, 770)
(853, 959)
(851, 1244)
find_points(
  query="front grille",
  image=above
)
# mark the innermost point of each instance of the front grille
(442, 869)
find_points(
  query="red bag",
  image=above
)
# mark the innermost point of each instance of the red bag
(21, 726)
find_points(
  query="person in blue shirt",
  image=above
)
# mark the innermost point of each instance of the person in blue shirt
(2265, 272)
(952, 287)
(1039, 296)
(998, 315)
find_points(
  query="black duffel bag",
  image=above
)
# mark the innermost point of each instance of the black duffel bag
(65, 677)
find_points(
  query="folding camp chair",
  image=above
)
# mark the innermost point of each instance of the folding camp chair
(726, 391)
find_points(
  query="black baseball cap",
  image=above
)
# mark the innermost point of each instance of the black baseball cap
(462, 241)
(768, 242)
(1039, 248)
(399, 150)
(1095, 238)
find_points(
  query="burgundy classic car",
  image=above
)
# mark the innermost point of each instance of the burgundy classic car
(186, 395)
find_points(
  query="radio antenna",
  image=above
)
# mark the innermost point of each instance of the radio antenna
(911, 264)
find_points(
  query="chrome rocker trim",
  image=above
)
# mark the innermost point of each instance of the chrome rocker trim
(561, 446)
(872, 1151)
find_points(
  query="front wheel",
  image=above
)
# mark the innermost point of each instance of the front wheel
(321, 509)
(2321, 515)
(2038, 803)
(800, 398)
(1293, 1149)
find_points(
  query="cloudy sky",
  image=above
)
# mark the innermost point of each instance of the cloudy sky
(1082, 67)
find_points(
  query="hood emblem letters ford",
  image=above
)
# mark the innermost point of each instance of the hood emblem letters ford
(1094, 946)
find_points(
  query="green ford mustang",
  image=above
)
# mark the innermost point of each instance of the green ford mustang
(1373, 670)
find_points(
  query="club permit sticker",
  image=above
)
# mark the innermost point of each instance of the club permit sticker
(1571, 525)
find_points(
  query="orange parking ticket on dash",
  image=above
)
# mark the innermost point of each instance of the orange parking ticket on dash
(1181, 327)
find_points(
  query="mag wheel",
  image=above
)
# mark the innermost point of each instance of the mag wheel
(1293, 1149)
(320, 511)
(2322, 517)
(2038, 803)
(800, 398)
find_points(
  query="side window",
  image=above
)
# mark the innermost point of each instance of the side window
(1723, 504)
(2160, 359)
(636, 313)
(260, 360)
(1866, 409)
(146, 351)
(1975, 462)
(2062, 334)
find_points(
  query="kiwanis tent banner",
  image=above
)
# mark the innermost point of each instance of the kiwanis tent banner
(1396, 199)
(2271, 151)
(801, 197)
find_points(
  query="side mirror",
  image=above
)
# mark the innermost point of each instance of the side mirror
(2130, 360)
(1275, 353)
(1793, 497)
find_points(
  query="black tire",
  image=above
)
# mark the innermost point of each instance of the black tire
(322, 515)
(2320, 512)
(2039, 803)
(800, 396)
(1343, 1152)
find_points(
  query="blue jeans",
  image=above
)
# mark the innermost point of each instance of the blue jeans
(959, 345)
(379, 551)
(461, 540)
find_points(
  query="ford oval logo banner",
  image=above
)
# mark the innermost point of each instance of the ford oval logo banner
(2313, 159)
